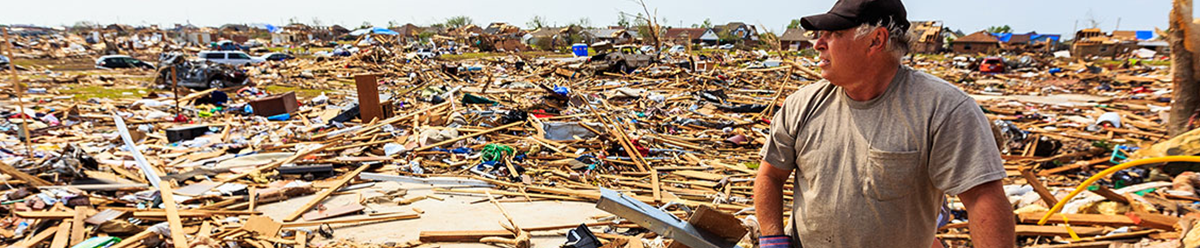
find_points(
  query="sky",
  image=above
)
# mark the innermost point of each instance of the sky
(1043, 16)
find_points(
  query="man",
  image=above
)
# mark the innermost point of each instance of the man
(877, 145)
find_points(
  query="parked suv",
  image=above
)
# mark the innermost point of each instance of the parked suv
(229, 57)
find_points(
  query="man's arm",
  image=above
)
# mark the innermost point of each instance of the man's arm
(768, 198)
(991, 215)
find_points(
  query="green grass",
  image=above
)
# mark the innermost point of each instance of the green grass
(1107, 62)
(57, 64)
(301, 93)
(88, 92)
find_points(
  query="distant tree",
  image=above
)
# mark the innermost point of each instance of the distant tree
(999, 29)
(537, 22)
(622, 20)
(294, 20)
(84, 25)
(726, 36)
(425, 35)
(365, 24)
(794, 25)
(706, 24)
(316, 22)
(438, 25)
(584, 22)
(642, 25)
(459, 21)
(393, 23)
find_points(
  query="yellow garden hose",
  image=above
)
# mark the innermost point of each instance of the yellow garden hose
(1111, 170)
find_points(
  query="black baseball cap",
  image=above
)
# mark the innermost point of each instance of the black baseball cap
(851, 13)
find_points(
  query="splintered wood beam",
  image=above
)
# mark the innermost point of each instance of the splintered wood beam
(30, 179)
(1038, 187)
(321, 196)
(176, 224)
(136, 238)
(77, 225)
(61, 238)
(42, 236)
(355, 220)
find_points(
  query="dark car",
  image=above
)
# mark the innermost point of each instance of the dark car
(121, 61)
(276, 57)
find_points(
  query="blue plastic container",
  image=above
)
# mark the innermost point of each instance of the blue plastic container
(580, 49)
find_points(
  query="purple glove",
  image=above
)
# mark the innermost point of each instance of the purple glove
(775, 241)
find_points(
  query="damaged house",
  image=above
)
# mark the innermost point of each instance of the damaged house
(795, 39)
(978, 42)
(927, 36)
(684, 36)
(551, 38)
(1094, 42)
(615, 36)
(734, 32)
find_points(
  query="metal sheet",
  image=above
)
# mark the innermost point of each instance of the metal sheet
(658, 221)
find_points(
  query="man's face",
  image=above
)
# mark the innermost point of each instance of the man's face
(841, 55)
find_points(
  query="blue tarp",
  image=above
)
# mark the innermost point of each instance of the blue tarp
(374, 30)
(1044, 37)
(1145, 34)
(271, 28)
(1002, 37)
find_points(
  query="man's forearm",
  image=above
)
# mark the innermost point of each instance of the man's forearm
(768, 201)
(991, 216)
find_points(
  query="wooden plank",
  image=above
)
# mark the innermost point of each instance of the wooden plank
(32, 180)
(354, 220)
(254, 197)
(136, 238)
(301, 239)
(1078, 219)
(474, 236)
(1152, 220)
(353, 207)
(1108, 194)
(656, 191)
(1038, 187)
(325, 193)
(77, 225)
(1096, 244)
(461, 236)
(38, 238)
(1035, 230)
(699, 175)
(168, 198)
(61, 238)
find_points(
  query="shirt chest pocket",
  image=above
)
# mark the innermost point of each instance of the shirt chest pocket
(891, 175)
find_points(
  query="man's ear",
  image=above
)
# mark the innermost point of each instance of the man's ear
(879, 39)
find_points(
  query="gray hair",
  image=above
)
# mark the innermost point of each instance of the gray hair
(898, 38)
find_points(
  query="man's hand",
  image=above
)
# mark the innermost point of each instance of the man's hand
(991, 215)
(768, 198)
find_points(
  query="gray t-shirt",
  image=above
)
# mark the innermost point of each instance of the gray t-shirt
(873, 173)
